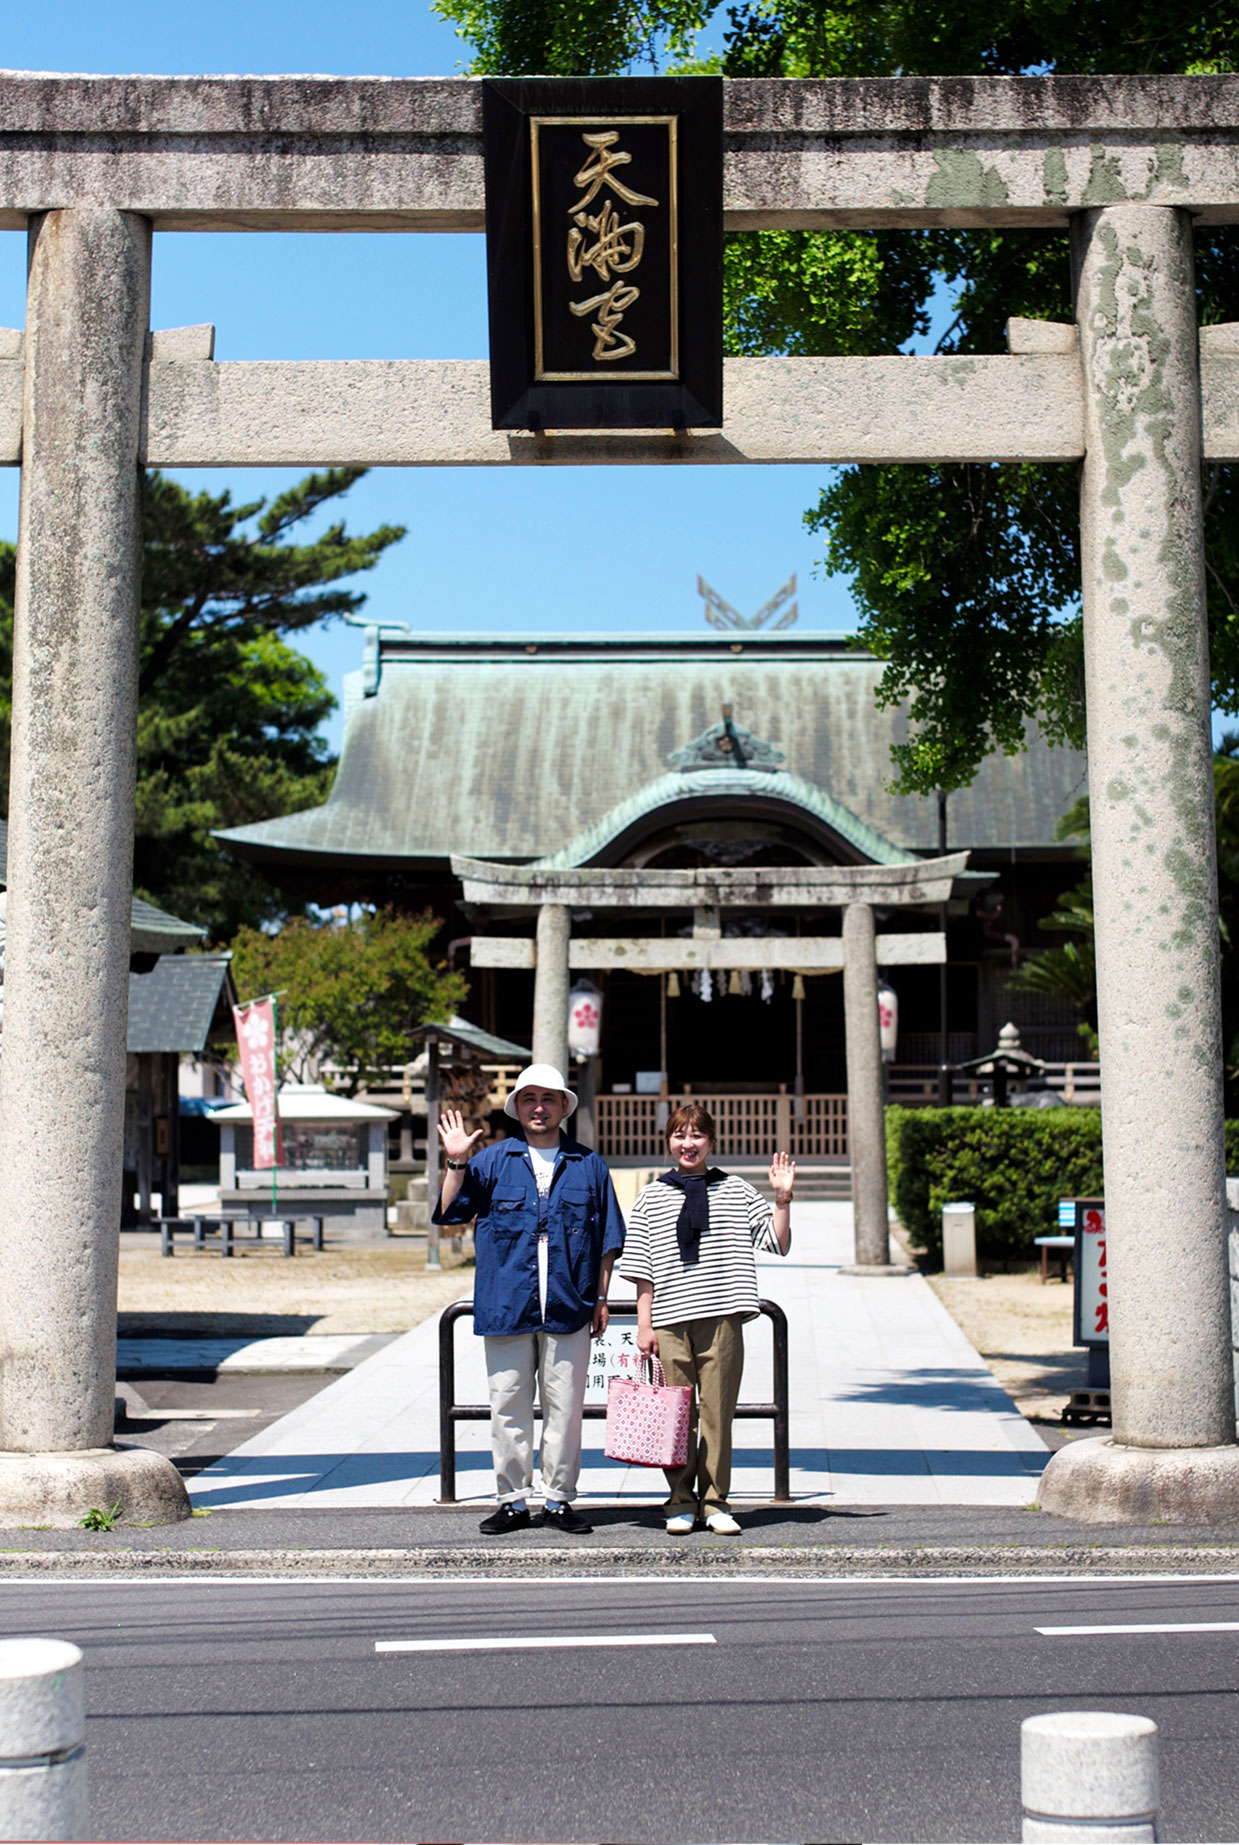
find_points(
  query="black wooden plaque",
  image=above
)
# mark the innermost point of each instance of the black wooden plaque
(604, 213)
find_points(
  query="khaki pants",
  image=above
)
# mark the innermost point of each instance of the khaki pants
(559, 1364)
(709, 1354)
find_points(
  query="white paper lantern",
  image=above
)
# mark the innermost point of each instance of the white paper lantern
(584, 1021)
(888, 1020)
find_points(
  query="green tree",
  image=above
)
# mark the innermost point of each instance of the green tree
(228, 712)
(952, 566)
(1069, 971)
(572, 38)
(350, 989)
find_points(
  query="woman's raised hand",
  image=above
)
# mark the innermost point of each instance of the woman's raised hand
(782, 1174)
(458, 1142)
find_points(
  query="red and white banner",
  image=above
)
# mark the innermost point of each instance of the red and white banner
(256, 1041)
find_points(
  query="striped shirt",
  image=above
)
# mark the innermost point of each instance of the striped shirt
(724, 1278)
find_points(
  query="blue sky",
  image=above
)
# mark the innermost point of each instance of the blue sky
(486, 548)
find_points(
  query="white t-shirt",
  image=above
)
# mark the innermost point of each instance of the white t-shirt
(542, 1159)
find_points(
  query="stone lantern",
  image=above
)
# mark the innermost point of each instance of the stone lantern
(1008, 1067)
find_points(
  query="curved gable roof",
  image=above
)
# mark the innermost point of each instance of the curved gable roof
(735, 786)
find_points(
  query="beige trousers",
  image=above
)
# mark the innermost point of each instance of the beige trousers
(558, 1363)
(709, 1354)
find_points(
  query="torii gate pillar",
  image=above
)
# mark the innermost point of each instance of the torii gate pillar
(866, 1103)
(62, 1076)
(1173, 1454)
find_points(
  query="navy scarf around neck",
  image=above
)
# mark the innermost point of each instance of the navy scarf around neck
(695, 1211)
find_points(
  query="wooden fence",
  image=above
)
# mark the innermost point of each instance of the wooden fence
(755, 1126)
(749, 1126)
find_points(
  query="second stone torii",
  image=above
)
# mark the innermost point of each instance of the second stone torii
(856, 889)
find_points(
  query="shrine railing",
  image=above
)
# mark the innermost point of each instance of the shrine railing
(749, 1126)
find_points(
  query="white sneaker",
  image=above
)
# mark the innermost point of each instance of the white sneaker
(681, 1523)
(722, 1524)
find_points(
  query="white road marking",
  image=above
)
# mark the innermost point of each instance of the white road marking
(504, 1644)
(1151, 1627)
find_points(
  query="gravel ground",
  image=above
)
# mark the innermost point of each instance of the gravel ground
(352, 1288)
(1022, 1329)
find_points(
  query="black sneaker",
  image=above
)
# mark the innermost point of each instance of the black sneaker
(506, 1519)
(562, 1518)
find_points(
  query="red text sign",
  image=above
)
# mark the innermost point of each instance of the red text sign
(1093, 1280)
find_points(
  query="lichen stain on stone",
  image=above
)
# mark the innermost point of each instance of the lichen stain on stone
(1104, 185)
(1168, 170)
(962, 179)
(1112, 566)
(1054, 176)
(1118, 605)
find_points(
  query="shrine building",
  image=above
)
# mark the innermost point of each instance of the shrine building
(661, 752)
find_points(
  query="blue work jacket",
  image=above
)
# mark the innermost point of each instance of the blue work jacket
(582, 1220)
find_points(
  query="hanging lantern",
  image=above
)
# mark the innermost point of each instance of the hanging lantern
(584, 1020)
(673, 985)
(888, 1020)
(798, 987)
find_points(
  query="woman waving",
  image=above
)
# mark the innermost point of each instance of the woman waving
(690, 1250)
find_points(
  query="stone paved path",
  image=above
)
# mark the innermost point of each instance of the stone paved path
(890, 1405)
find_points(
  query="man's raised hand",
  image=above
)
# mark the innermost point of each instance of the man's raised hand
(458, 1142)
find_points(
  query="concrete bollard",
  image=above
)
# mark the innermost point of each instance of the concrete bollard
(1089, 1774)
(42, 1741)
(959, 1239)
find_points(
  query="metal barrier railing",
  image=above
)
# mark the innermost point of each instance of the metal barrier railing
(451, 1412)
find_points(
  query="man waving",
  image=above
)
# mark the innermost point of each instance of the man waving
(548, 1231)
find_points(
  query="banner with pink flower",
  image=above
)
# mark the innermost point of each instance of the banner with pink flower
(255, 1025)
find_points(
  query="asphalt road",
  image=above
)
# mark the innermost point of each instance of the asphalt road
(815, 1711)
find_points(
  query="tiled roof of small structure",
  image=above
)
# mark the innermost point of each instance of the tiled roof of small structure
(174, 1006)
(509, 747)
(485, 1043)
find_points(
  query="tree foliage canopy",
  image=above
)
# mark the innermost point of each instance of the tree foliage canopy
(228, 712)
(954, 568)
(349, 989)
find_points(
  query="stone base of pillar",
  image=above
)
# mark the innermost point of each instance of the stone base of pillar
(1103, 1482)
(60, 1489)
(878, 1268)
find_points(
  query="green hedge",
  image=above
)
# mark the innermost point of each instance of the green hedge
(1014, 1164)
(1232, 1148)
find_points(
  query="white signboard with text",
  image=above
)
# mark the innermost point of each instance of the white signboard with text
(1092, 1300)
(614, 1355)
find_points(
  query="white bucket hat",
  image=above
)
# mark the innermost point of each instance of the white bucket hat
(538, 1076)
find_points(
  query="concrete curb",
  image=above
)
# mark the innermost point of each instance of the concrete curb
(712, 1559)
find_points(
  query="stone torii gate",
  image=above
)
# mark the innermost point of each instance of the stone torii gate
(855, 889)
(92, 167)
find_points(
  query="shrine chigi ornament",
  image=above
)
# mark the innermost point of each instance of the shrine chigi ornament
(604, 251)
(584, 1021)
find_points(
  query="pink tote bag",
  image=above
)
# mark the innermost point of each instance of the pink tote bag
(647, 1424)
